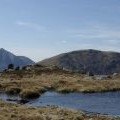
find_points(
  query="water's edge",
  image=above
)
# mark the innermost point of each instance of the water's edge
(96, 103)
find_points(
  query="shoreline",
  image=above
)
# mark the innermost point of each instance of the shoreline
(27, 102)
(24, 112)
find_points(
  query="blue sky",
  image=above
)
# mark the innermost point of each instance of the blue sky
(42, 28)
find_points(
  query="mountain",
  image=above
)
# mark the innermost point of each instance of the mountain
(7, 58)
(93, 61)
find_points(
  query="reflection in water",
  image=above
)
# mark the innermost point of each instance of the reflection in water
(106, 103)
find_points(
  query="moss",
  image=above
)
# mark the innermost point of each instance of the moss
(29, 94)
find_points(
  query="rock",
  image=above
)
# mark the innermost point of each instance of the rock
(22, 101)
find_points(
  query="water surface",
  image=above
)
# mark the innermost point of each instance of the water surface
(106, 103)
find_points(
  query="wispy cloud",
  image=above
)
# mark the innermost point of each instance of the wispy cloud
(30, 25)
(64, 41)
(95, 32)
(96, 37)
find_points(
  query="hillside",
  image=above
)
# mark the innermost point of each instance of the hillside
(7, 58)
(94, 61)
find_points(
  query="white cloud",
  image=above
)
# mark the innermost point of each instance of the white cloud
(113, 41)
(64, 41)
(30, 25)
(95, 32)
(96, 37)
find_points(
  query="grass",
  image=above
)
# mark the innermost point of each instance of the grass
(10, 111)
(29, 94)
(13, 90)
(32, 84)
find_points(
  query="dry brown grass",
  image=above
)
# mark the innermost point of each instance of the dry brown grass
(9, 111)
(30, 84)
(33, 83)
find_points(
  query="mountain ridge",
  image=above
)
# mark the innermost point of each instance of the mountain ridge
(94, 61)
(7, 58)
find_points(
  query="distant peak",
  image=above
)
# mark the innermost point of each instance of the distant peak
(2, 49)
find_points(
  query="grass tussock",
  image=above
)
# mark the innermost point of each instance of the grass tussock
(34, 83)
(27, 94)
(13, 90)
(9, 111)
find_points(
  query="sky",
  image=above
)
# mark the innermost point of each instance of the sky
(40, 29)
